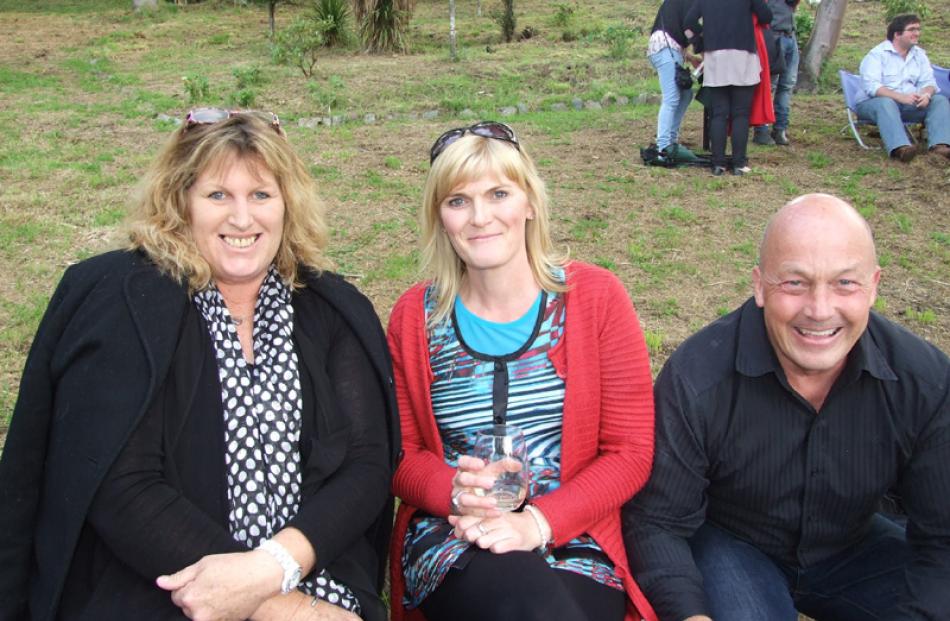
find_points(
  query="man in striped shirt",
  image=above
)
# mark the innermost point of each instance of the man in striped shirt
(780, 428)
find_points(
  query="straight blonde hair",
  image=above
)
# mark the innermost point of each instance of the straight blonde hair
(160, 226)
(469, 158)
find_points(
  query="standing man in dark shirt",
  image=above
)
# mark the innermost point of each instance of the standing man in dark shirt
(783, 82)
(780, 427)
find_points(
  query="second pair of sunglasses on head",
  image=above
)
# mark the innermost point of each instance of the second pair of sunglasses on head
(485, 129)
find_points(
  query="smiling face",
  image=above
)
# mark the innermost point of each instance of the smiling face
(237, 217)
(816, 282)
(908, 38)
(484, 220)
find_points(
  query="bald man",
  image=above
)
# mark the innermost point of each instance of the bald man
(780, 428)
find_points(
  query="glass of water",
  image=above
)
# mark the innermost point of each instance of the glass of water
(503, 449)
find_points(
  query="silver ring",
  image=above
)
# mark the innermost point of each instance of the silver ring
(482, 529)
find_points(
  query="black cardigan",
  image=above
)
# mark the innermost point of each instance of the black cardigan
(727, 24)
(121, 343)
(670, 18)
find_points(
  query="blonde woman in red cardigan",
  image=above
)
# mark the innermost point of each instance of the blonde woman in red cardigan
(508, 331)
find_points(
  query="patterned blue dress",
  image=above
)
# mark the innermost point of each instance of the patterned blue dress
(462, 402)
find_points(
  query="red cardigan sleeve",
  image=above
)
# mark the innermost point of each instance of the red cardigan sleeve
(423, 479)
(607, 449)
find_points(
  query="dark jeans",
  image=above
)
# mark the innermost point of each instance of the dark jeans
(730, 102)
(520, 586)
(859, 584)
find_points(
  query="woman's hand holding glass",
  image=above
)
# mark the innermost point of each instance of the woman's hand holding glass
(470, 486)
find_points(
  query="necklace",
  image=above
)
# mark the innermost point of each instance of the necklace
(239, 320)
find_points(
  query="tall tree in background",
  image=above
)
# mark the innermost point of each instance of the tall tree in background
(453, 46)
(507, 20)
(824, 39)
(271, 10)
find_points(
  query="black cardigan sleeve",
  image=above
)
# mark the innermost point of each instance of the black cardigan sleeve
(342, 500)
(691, 22)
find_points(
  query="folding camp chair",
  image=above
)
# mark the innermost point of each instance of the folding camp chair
(851, 88)
(942, 75)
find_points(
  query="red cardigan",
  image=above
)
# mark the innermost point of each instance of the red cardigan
(607, 431)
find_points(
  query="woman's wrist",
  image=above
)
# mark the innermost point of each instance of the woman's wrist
(542, 525)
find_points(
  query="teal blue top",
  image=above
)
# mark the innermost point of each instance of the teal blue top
(493, 338)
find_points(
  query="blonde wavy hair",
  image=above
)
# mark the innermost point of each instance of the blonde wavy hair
(160, 225)
(469, 158)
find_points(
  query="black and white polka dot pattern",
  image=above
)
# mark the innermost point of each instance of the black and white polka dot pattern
(262, 406)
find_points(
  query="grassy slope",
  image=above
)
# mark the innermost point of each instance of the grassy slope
(82, 84)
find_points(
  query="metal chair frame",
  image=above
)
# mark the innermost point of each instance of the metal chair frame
(850, 88)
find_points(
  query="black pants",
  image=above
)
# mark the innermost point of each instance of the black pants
(520, 586)
(730, 102)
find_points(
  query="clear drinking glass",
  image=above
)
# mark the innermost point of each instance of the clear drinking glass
(503, 449)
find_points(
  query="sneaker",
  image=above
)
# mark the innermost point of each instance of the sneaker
(904, 154)
(760, 135)
(718, 171)
(780, 136)
(941, 149)
(742, 170)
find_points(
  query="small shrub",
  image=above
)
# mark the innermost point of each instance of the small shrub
(196, 87)
(299, 44)
(804, 24)
(327, 94)
(246, 77)
(244, 98)
(334, 16)
(618, 39)
(564, 15)
(893, 8)
(384, 28)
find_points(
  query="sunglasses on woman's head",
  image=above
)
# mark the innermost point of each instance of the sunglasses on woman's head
(210, 116)
(485, 129)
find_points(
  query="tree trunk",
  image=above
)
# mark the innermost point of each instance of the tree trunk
(271, 7)
(824, 39)
(478, 8)
(452, 38)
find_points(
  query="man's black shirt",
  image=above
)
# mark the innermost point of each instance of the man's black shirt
(737, 446)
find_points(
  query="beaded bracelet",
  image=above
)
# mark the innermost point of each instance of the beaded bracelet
(533, 512)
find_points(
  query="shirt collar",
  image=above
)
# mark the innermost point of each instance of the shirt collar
(755, 355)
(889, 47)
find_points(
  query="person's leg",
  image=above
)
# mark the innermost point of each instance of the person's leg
(519, 586)
(937, 121)
(785, 85)
(718, 119)
(860, 584)
(599, 602)
(686, 96)
(741, 104)
(741, 582)
(666, 122)
(886, 114)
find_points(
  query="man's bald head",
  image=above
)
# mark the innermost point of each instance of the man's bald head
(815, 211)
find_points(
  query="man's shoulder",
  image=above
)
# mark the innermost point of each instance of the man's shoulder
(908, 354)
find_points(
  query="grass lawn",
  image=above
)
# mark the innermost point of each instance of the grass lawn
(87, 88)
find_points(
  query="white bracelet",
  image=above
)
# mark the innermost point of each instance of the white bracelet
(533, 512)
